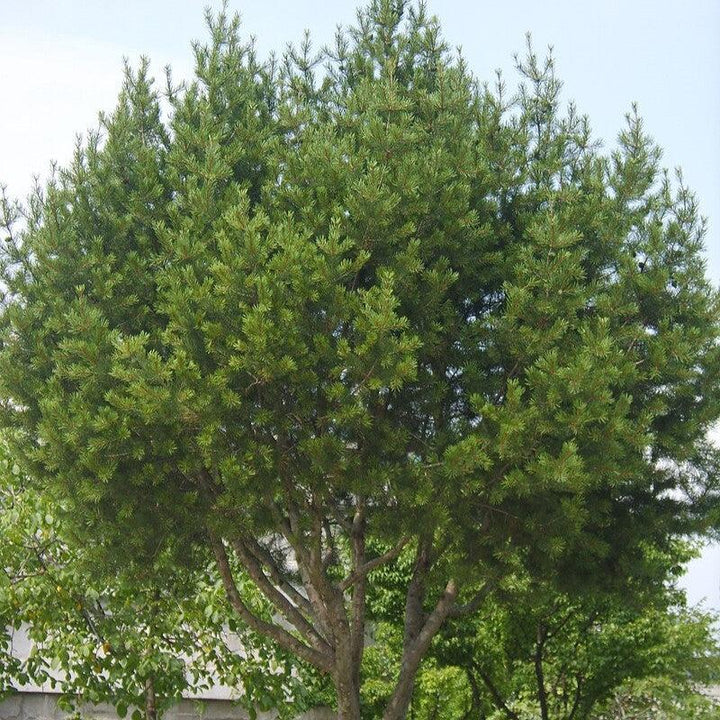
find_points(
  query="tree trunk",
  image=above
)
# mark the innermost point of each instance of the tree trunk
(346, 686)
(539, 672)
(400, 701)
(150, 706)
(416, 646)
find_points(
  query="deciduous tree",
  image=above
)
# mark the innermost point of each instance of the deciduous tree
(537, 653)
(139, 639)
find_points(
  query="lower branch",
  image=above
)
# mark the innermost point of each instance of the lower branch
(578, 696)
(476, 698)
(322, 661)
(280, 601)
(495, 694)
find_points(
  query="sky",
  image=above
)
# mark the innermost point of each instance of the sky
(61, 63)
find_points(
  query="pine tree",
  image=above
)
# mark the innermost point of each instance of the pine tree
(374, 303)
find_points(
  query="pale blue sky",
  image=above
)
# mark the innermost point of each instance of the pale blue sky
(60, 62)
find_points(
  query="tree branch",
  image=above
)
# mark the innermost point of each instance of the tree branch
(342, 521)
(290, 528)
(368, 567)
(495, 693)
(357, 626)
(539, 673)
(415, 596)
(321, 660)
(578, 696)
(331, 554)
(291, 612)
(414, 652)
(265, 557)
(476, 699)
(474, 604)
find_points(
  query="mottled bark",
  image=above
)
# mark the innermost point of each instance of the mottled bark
(345, 679)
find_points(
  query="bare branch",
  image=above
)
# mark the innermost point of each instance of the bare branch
(265, 557)
(283, 604)
(369, 566)
(290, 530)
(321, 660)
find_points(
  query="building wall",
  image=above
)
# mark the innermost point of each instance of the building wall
(43, 706)
(39, 702)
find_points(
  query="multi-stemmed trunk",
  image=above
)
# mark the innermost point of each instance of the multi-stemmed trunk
(328, 615)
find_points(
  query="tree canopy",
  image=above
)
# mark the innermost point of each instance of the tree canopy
(329, 309)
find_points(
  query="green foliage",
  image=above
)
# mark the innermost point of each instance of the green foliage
(599, 656)
(354, 272)
(105, 640)
(659, 699)
(379, 304)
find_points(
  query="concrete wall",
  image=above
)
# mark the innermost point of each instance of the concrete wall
(39, 702)
(43, 706)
